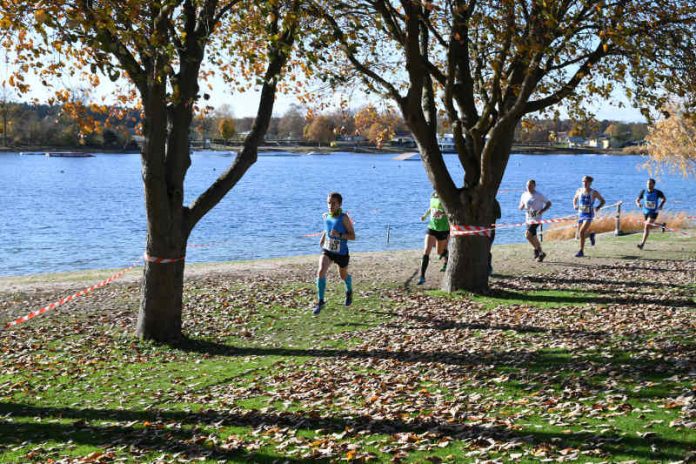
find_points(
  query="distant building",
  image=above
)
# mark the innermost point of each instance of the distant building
(602, 142)
(351, 138)
(403, 140)
(576, 142)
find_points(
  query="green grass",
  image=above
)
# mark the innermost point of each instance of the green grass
(401, 376)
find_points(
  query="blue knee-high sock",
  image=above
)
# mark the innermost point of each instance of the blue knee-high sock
(349, 283)
(321, 287)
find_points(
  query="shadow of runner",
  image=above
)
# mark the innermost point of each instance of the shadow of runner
(187, 440)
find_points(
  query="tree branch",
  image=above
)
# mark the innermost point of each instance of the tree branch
(278, 57)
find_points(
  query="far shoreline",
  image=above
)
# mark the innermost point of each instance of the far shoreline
(326, 150)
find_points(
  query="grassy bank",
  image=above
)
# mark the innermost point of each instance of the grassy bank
(587, 360)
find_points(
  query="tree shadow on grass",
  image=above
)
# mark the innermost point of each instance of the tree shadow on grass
(430, 322)
(556, 281)
(569, 300)
(111, 427)
(598, 267)
(642, 367)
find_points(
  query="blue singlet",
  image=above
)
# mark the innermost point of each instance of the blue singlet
(585, 206)
(334, 244)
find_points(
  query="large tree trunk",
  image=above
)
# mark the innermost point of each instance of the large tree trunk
(161, 302)
(469, 255)
(467, 268)
(165, 159)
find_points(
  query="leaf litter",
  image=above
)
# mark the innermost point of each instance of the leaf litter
(436, 379)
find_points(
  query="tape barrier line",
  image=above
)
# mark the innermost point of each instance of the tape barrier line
(461, 230)
(157, 260)
(62, 301)
(570, 217)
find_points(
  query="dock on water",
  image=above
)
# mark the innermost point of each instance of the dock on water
(412, 155)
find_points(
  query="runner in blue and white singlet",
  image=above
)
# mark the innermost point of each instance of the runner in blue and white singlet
(584, 203)
(650, 201)
(338, 229)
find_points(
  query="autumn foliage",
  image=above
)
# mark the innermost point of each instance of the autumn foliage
(672, 143)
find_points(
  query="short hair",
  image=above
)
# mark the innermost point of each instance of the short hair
(652, 180)
(588, 178)
(531, 181)
(336, 196)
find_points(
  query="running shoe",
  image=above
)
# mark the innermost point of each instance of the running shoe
(579, 254)
(592, 238)
(421, 280)
(640, 246)
(541, 257)
(317, 308)
(349, 298)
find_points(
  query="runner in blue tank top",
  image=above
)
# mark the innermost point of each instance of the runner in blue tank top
(654, 201)
(338, 229)
(583, 202)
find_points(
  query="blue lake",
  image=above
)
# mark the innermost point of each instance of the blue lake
(64, 214)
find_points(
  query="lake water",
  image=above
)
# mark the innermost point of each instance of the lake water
(64, 214)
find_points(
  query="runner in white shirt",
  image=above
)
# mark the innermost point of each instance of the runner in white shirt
(534, 203)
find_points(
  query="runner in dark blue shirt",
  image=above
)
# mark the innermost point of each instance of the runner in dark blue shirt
(650, 201)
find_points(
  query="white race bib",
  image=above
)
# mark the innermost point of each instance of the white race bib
(650, 204)
(332, 244)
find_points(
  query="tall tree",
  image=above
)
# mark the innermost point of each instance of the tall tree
(291, 124)
(483, 65)
(163, 47)
(320, 129)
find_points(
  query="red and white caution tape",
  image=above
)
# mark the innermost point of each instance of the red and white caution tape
(460, 230)
(537, 221)
(157, 260)
(66, 299)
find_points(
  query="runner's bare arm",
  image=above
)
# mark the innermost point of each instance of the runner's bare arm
(599, 197)
(546, 206)
(350, 232)
(664, 200)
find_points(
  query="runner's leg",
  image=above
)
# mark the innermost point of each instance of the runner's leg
(348, 281)
(428, 244)
(324, 262)
(646, 230)
(443, 252)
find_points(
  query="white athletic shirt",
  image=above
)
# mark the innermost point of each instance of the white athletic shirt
(533, 203)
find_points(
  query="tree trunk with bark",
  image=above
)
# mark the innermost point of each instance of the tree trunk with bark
(165, 160)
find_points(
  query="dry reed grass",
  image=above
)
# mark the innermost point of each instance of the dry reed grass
(630, 223)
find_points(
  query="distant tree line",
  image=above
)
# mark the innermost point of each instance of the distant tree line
(534, 130)
(24, 125)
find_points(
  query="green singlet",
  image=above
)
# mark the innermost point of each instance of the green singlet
(441, 223)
